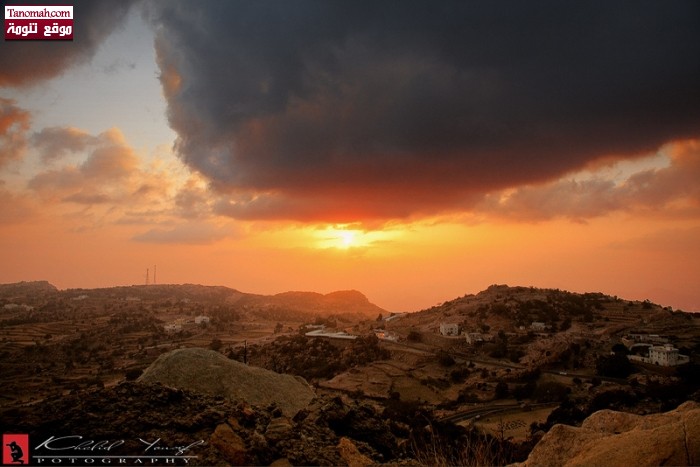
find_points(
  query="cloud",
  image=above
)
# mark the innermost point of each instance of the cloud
(14, 207)
(107, 175)
(56, 142)
(668, 191)
(29, 62)
(344, 111)
(14, 124)
(189, 234)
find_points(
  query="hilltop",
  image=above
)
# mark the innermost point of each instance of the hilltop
(348, 303)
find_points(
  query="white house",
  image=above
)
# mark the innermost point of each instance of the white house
(202, 319)
(662, 355)
(538, 326)
(449, 329)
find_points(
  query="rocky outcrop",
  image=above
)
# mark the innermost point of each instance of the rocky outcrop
(351, 455)
(331, 431)
(230, 445)
(209, 372)
(620, 439)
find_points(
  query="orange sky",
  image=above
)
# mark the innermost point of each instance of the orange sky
(93, 190)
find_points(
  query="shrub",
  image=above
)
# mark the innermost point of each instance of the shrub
(501, 390)
(445, 359)
(614, 366)
(133, 374)
(414, 336)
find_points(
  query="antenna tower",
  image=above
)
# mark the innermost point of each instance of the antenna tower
(147, 276)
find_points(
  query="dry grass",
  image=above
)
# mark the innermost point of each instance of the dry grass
(473, 450)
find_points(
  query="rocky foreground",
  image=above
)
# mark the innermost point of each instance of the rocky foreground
(197, 403)
(613, 438)
(331, 431)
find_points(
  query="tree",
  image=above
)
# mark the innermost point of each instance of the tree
(614, 366)
(216, 344)
(501, 390)
(414, 336)
(566, 324)
(445, 359)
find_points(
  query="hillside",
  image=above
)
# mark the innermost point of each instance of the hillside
(522, 360)
(26, 292)
(348, 303)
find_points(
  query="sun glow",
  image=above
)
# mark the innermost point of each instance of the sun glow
(348, 238)
(345, 237)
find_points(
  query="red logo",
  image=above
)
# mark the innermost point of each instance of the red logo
(15, 449)
(38, 22)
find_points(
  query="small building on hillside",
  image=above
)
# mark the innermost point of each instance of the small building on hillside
(330, 334)
(172, 327)
(474, 338)
(385, 335)
(662, 355)
(538, 326)
(449, 329)
(202, 319)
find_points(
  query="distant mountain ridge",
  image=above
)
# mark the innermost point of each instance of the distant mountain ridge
(339, 302)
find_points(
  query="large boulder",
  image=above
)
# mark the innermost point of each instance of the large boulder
(209, 372)
(619, 439)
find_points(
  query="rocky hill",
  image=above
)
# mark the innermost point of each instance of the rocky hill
(211, 373)
(26, 292)
(615, 438)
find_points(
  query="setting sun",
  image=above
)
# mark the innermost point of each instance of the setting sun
(344, 237)
(348, 238)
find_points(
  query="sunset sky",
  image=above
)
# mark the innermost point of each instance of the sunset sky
(415, 151)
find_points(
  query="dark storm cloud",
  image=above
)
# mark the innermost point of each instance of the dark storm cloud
(322, 110)
(28, 62)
